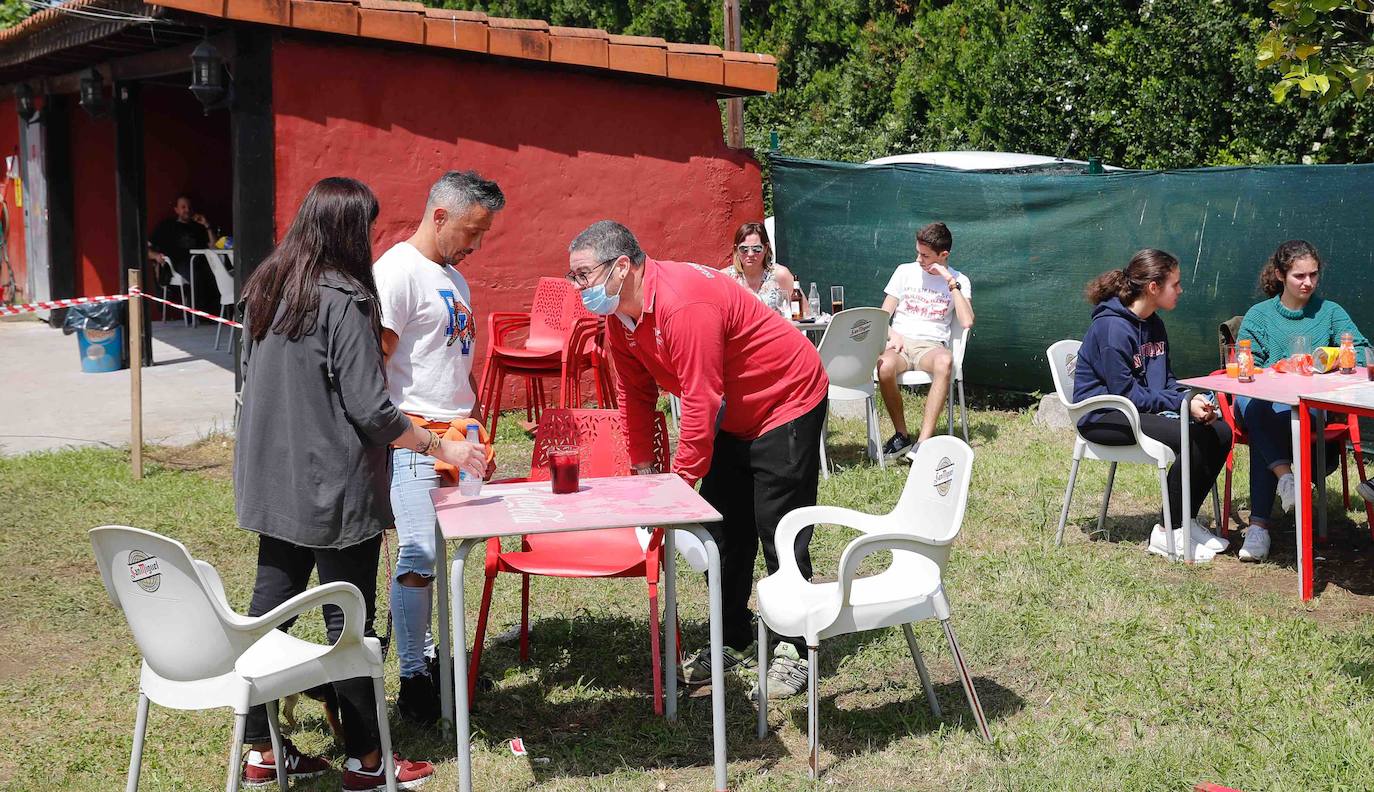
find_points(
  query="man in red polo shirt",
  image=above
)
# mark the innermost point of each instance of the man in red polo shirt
(753, 406)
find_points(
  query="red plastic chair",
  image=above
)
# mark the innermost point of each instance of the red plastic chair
(1344, 433)
(599, 436)
(555, 346)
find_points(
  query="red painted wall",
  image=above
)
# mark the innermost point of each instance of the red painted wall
(14, 234)
(96, 241)
(185, 151)
(567, 148)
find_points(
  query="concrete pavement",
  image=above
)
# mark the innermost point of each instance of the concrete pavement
(46, 401)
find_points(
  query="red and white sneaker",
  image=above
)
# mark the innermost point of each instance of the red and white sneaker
(258, 772)
(409, 775)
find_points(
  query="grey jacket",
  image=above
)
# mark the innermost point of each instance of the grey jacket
(311, 459)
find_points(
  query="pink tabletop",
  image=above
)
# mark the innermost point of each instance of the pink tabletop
(532, 508)
(1274, 387)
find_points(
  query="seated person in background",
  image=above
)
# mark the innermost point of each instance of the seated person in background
(1294, 309)
(1126, 353)
(923, 297)
(754, 268)
(175, 237)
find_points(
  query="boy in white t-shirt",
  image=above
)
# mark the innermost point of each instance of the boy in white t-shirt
(924, 298)
(428, 334)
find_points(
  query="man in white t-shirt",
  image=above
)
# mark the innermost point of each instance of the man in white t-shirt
(924, 298)
(428, 334)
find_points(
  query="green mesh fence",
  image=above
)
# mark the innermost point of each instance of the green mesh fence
(1030, 240)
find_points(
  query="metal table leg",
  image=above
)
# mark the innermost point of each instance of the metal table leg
(445, 656)
(460, 664)
(1300, 425)
(717, 653)
(1184, 416)
(670, 624)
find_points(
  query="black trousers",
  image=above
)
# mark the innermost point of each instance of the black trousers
(283, 572)
(1209, 445)
(753, 483)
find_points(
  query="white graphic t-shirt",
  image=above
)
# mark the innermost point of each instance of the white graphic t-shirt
(429, 309)
(925, 307)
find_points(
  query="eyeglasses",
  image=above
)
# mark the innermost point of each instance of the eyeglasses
(747, 249)
(583, 279)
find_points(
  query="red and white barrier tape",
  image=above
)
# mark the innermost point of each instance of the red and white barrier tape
(51, 304)
(181, 307)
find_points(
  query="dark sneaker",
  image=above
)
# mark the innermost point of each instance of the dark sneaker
(419, 700)
(259, 773)
(897, 445)
(409, 775)
(697, 669)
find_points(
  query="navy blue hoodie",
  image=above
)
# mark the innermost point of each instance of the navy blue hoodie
(1124, 355)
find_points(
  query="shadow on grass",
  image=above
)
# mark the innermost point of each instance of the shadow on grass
(849, 732)
(583, 705)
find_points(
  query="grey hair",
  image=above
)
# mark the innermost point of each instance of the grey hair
(457, 190)
(607, 240)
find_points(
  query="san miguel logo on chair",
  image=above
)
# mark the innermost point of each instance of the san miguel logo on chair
(144, 571)
(944, 476)
(860, 330)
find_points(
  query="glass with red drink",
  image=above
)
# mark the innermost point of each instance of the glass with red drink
(563, 472)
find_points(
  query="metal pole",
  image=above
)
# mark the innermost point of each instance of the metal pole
(734, 108)
(136, 375)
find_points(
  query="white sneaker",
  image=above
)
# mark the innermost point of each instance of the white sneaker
(1288, 492)
(1366, 490)
(1206, 538)
(1256, 547)
(1159, 545)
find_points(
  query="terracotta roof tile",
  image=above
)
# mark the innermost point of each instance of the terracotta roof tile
(528, 39)
(464, 30)
(579, 47)
(518, 38)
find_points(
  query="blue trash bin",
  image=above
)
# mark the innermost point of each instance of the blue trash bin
(101, 350)
(99, 332)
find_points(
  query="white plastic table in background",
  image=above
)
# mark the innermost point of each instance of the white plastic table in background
(532, 508)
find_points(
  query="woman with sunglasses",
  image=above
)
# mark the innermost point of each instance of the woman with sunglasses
(754, 268)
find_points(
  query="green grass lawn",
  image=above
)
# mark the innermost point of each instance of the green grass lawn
(1100, 667)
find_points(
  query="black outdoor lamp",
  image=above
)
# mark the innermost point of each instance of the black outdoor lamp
(207, 78)
(92, 93)
(24, 104)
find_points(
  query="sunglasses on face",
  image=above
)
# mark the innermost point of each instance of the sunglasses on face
(747, 249)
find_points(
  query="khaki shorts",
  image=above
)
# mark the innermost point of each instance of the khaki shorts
(913, 349)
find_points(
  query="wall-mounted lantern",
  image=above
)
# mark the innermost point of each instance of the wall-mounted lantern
(24, 103)
(208, 78)
(93, 93)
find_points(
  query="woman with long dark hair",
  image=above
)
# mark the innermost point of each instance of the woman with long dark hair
(1293, 309)
(1126, 353)
(752, 266)
(311, 459)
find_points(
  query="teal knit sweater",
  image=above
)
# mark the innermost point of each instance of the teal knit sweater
(1271, 326)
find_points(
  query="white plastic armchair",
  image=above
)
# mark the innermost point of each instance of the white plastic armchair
(919, 532)
(957, 346)
(199, 654)
(849, 350)
(1063, 358)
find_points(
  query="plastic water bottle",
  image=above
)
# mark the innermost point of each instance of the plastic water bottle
(468, 484)
(814, 301)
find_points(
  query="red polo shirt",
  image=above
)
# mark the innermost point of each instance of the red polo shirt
(706, 339)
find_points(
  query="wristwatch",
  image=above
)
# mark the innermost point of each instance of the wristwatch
(954, 285)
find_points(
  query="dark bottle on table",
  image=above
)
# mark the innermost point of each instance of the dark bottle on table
(797, 302)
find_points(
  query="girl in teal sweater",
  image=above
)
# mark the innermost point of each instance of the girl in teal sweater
(1290, 279)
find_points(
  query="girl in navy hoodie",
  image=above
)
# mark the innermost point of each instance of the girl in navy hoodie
(1126, 353)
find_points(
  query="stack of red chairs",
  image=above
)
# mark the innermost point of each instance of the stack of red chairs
(599, 436)
(563, 341)
(1346, 432)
